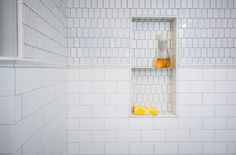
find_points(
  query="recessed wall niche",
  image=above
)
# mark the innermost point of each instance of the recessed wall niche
(152, 86)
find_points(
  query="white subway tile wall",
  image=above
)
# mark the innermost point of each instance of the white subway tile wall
(98, 30)
(33, 117)
(99, 33)
(45, 30)
(32, 100)
(205, 121)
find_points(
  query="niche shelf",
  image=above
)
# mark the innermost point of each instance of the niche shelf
(151, 86)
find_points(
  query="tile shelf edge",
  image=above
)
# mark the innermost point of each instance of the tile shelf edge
(99, 66)
(154, 17)
(210, 66)
(152, 68)
(167, 115)
(26, 62)
(18, 62)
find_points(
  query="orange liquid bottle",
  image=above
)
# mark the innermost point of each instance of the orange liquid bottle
(163, 58)
(168, 62)
(160, 63)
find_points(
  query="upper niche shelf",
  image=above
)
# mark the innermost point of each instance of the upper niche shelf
(144, 40)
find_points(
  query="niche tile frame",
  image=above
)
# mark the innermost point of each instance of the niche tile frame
(151, 86)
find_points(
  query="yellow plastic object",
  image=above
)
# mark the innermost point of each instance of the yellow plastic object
(144, 110)
(153, 111)
(139, 110)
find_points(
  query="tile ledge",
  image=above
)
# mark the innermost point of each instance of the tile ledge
(223, 66)
(10, 62)
(100, 66)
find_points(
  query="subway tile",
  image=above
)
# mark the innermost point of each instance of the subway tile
(214, 98)
(7, 106)
(225, 86)
(190, 147)
(202, 135)
(117, 99)
(166, 148)
(92, 74)
(141, 123)
(225, 135)
(128, 136)
(79, 136)
(225, 110)
(104, 136)
(104, 111)
(203, 86)
(141, 148)
(202, 111)
(117, 74)
(215, 147)
(91, 123)
(79, 86)
(116, 123)
(92, 148)
(190, 74)
(190, 98)
(117, 148)
(92, 99)
(166, 123)
(104, 86)
(7, 81)
(190, 123)
(215, 74)
(6, 140)
(79, 111)
(214, 123)
(153, 135)
(177, 135)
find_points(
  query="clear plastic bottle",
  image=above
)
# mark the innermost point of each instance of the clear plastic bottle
(163, 55)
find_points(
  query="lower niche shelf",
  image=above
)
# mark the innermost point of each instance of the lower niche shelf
(153, 92)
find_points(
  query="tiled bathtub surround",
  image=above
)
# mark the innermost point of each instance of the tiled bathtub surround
(32, 116)
(99, 119)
